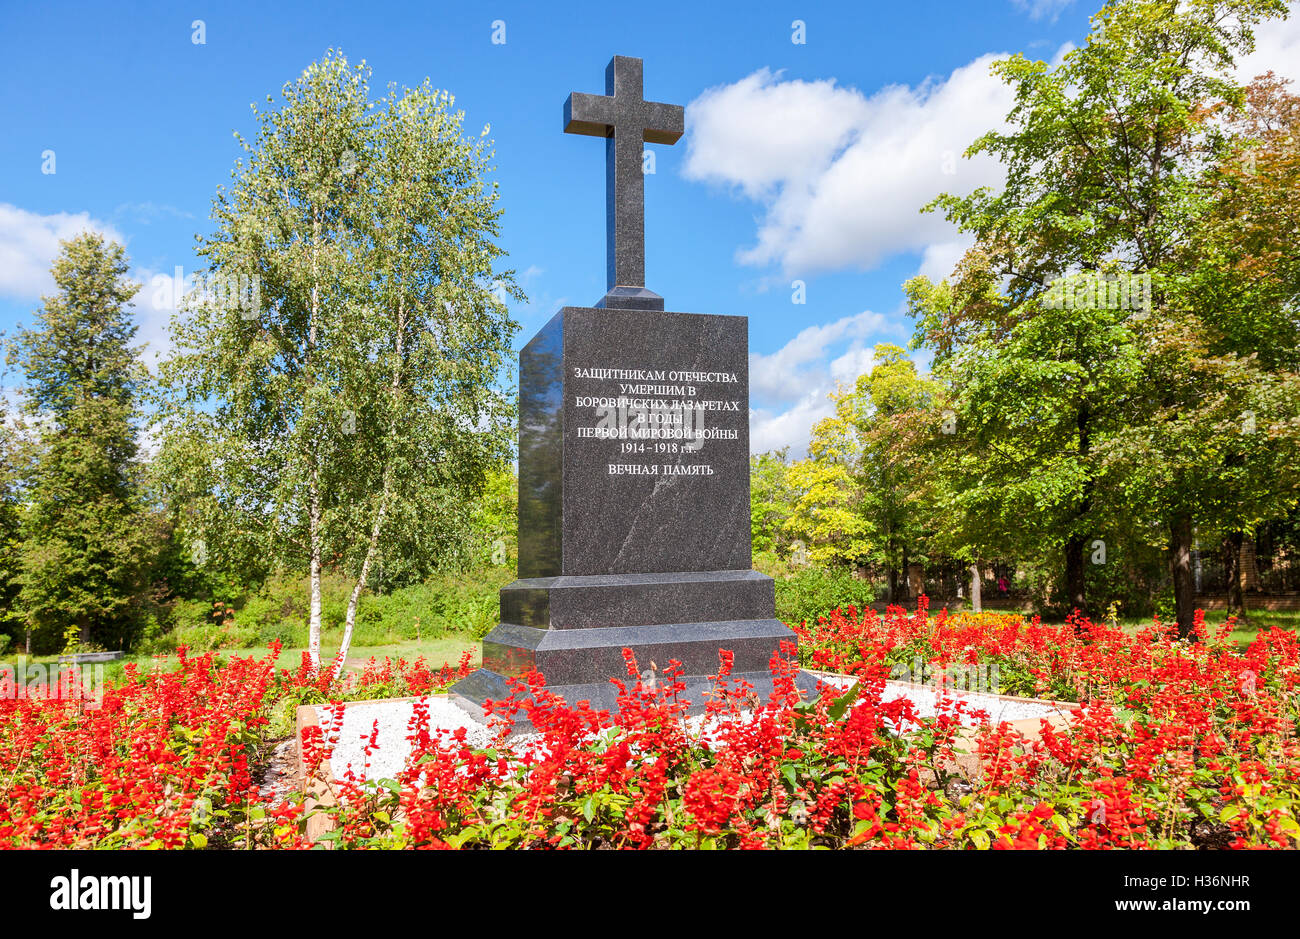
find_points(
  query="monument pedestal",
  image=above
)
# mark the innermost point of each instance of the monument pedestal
(573, 629)
(634, 517)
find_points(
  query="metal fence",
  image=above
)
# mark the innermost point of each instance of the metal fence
(1270, 574)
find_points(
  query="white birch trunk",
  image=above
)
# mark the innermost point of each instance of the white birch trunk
(314, 518)
(313, 620)
(372, 547)
(351, 618)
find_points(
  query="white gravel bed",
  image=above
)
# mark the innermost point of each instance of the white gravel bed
(925, 700)
(394, 718)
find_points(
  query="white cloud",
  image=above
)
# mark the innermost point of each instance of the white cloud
(772, 429)
(29, 243)
(802, 373)
(1277, 47)
(732, 139)
(857, 360)
(154, 306)
(1043, 9)
(796, 367)
(842, 184)
(939, 259)
(791, 428)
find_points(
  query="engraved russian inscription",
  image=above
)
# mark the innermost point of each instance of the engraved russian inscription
(654, 422)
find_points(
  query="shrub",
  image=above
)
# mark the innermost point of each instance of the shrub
(813, 592)
(461, 603)
(209, 637)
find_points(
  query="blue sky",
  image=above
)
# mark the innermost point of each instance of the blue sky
(801, 161)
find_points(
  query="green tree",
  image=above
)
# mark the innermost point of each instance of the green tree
(1031, 405)
(875, 437)
(771, 500)
(1243, 262)
(895, 413)
(1106, 157)
(825, 516)
(84, 552)
(334, 394)
(11, 625)
(496, 519)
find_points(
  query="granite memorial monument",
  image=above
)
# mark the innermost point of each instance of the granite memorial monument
(634, 516)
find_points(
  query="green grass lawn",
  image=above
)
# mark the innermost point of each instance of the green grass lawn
(1256, 621)
(447, 649)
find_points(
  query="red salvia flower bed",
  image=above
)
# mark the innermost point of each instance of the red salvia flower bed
(1171, 744)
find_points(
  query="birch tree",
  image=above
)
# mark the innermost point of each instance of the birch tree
(334, 392)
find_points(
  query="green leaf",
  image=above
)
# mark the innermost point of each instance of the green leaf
(841, 704)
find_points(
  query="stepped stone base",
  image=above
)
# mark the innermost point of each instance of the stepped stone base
(573, 629)
(471, 692)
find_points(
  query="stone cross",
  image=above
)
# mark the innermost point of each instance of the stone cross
(627, 122)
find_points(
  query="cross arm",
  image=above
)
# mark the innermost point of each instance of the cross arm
(592, 115)
(664, 123)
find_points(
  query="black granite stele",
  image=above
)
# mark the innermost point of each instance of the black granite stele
(634, 514)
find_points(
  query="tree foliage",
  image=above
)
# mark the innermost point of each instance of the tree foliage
(1107, 160)
(85, 546)
(336, 402)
